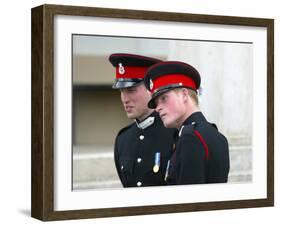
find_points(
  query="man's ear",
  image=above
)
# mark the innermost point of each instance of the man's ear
(185, 94)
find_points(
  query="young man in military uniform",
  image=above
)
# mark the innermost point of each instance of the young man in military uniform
(143, 148)
(201, 154)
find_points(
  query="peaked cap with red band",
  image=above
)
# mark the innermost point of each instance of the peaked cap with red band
(130, 68)
(168, 75)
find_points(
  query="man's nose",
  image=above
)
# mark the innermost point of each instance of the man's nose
(158, 108)
(124, 97)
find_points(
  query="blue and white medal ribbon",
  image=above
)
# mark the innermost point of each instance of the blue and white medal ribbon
(156, 166)
(167, 170)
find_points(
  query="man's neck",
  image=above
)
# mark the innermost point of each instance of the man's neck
(188, 113)
(144, 116)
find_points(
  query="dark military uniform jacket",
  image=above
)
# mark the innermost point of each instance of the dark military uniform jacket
(141, 146)
(201, 154)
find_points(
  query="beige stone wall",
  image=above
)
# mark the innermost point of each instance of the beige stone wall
(98, 116)
(92, 70)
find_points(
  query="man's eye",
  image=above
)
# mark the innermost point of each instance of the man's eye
(164, 98)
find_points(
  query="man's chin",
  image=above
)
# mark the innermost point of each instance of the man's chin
(131, 116)
(167, 124)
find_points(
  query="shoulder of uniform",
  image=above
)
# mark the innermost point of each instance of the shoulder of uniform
(188, 130)
(214, 125)
(125, 129)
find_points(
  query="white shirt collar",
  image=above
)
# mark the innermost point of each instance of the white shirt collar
(181, 130)
(145, 123)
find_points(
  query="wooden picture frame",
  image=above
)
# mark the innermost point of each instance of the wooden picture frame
(42, 203)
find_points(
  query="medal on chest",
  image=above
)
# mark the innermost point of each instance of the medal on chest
(156, 166)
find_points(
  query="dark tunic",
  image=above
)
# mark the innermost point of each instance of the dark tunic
(201, 155)
(136, 150)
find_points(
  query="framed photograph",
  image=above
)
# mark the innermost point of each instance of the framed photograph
(76, 114)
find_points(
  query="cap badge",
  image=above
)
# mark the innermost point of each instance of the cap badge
(121, 69)
(151, 84)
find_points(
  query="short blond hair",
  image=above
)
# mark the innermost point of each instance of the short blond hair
(191, 93)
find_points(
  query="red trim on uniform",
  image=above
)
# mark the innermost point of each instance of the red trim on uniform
(130, 72)
(203, 142)
(171, 79)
